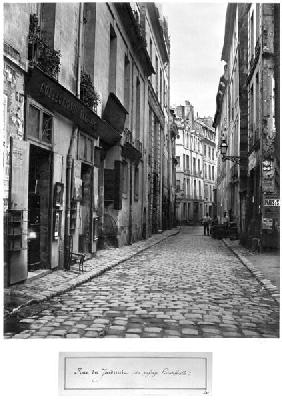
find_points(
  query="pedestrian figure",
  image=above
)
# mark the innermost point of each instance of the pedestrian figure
(206, 221)
(226, 220)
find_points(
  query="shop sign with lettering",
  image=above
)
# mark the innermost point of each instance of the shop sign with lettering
(271, 206)
(55, 97)
(267, 223)
(272, 202)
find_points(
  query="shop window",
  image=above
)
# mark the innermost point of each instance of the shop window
(39, 124)
(136, 184)
(47, 124)
(34, 122)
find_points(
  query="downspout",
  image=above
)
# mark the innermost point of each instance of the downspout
(69, 164)
(68, 199)
(130, 162)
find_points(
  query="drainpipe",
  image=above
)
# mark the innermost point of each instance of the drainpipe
(130, 204)
(69, 170)
(79, 49)
(69, 166)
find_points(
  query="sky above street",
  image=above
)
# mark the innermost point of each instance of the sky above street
(196, 32)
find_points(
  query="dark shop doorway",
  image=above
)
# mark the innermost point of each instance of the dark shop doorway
(39, 209)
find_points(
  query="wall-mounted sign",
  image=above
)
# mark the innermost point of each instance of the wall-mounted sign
(267, 223)
(57, 221)
(272, 202)
(55, 97)
(58, 194)
(77, 189)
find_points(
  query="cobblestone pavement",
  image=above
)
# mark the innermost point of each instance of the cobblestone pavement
(189, 285)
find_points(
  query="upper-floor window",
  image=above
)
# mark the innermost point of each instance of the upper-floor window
(124, 177)
(136, 183)
(252, 38)
(137, 112)
(257, 20)
(209, 150)
(213, 154)
(157, 76)
(126, 86)
(194, 165)
(112, 60)
(212, 172)
(205, 150)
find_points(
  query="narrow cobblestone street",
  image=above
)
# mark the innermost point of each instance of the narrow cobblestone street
(189, 285)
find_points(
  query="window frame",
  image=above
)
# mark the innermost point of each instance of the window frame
(42, 110)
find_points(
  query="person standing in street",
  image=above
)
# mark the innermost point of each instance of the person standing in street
(206, 221)
(226, 221)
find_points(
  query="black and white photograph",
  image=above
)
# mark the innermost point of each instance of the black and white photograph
(141, 175)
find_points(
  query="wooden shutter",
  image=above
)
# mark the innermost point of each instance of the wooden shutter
(118, 186)
(19, 157)
(109, 177)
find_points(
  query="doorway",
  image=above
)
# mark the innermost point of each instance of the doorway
(39, 209)
(85, 242)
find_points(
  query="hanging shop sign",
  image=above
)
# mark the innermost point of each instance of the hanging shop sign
(55, 97)
(267, 176)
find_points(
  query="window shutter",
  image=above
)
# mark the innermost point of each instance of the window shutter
(109, 176)
(19, 201)
(118, 186)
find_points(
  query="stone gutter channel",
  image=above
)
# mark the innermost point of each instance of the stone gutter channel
(266, 283)
(103, 265)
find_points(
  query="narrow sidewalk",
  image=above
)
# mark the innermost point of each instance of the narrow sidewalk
(59, 281)
(264, 266)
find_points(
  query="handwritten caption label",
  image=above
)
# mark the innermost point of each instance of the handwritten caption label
(135, 373)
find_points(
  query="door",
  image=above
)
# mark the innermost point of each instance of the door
(18, 206)
(39, 208)
(86, 207)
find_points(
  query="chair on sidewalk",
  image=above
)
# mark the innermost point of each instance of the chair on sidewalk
(76, 258)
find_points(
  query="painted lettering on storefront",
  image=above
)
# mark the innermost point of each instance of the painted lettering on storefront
(67, 104)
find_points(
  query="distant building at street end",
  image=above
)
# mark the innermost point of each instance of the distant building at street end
(196, 166)
(247, 119)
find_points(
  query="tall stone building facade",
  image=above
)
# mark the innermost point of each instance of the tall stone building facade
(247, 120)
(76, 129)
(196, 166)
(158, 149)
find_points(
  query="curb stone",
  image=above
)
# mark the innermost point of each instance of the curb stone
(87, 276)
(272, 289)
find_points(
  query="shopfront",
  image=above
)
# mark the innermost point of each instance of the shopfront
(53, 195)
